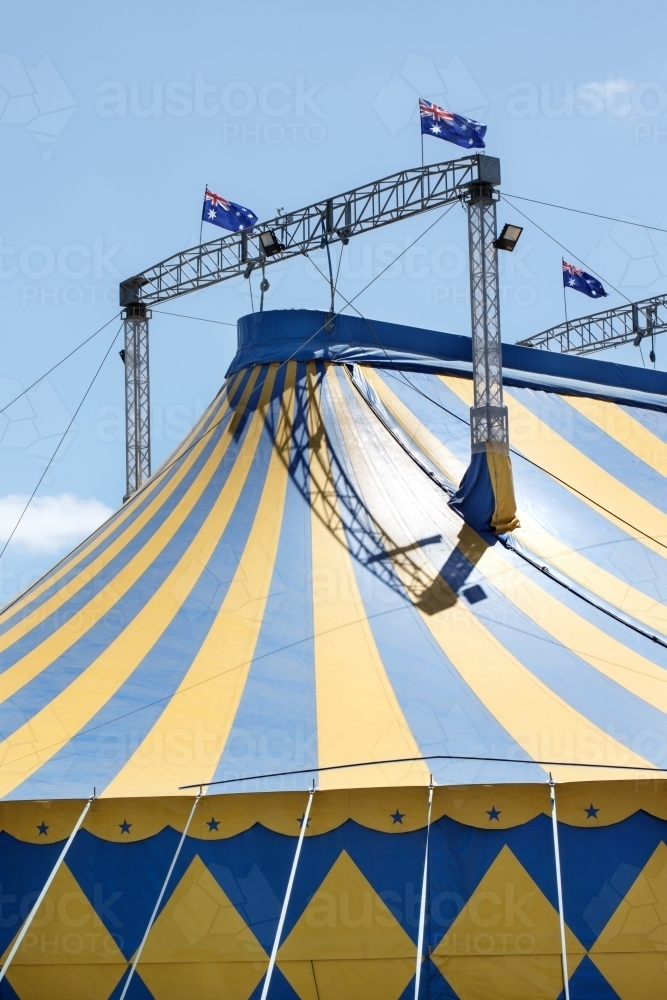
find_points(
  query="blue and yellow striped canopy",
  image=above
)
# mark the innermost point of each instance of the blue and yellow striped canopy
(291, 590)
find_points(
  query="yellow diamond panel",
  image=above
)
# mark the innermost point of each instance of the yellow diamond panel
(67, 951)
(200, 945)
(347, 943)
(505, 943)
(631, 952)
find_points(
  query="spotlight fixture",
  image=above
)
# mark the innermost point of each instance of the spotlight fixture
(508, 238)
(270, 243)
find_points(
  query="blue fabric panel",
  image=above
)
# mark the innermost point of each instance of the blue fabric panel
(599, 866)
(275, 727)
(599, 447)
(137, 991)
(24, 868)
(588, 983)
(43, 688)
(413, 660)
(652, 420)
(461, 855)
(435, 986)
(393, 864)
(277, 335)
(280, 989)
(7, 992)
(129, 715)
(474, 500)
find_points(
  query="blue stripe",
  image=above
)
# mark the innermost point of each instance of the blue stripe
(99, 751)
(62, 671)
(444, 714)
(654, 421)
(137, 508)
(275, 728)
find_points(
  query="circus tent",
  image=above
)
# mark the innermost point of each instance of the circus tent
(291, 603)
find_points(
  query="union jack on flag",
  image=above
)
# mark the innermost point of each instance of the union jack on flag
(580, 281)
(221, 212)
(447, 125)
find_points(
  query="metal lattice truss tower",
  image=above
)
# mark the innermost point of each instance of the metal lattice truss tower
(137, 398)
(391, 199)
(625, 324)
(488, 416)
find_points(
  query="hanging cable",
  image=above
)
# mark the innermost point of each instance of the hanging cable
(199, 319)
(62, 360)
(580, 211)
(569, 252)
(57, 448)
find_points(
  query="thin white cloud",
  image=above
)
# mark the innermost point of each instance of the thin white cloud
(52, 524)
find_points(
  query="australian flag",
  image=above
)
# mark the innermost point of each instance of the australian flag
(574, 277)
(454, 128)
(220, 212)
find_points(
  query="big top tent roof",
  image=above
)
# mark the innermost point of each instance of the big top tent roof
(291, 590)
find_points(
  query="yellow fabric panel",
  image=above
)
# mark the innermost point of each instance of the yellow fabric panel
(500, 471)
(64, 982)
(535, 716)
(200, 924)
(612, 658)
(123, 514)
(376, 807)
(618, 424)
(631, 951)
(370, 725)
(599, 581)
(346, 919)
(616, 800)
(202, 980)
(505, 942)
(370, 979)
(22, 819)
(607, 495)
(66, 931)
(469, 804)
(25, 750)
(439, 454)
(185, 743)
(23, 670)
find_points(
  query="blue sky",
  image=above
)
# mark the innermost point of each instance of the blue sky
(113, 117)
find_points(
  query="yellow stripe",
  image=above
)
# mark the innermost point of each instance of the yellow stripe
(185, 744)
(542, 445)
(434, 449)
(537, 718)
(619, 425)
(26, 668)
(112, 525)
(358, 715)
(34, 743)
(607, 655)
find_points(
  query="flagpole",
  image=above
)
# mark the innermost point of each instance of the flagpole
(201, 221)
(422, 138)
(567, 324)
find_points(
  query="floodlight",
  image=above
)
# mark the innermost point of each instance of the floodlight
(508, 238)
(270, 243)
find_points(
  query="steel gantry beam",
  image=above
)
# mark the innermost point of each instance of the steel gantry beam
(400, 196)
(625, 324)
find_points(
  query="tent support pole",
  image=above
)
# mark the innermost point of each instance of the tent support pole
(288, 893)
(422, 905)
(40, 899)
(559, 886)
(159, 899)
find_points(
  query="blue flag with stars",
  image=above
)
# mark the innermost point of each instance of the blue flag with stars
(454, 128)
(220, 212)
(574, 277)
